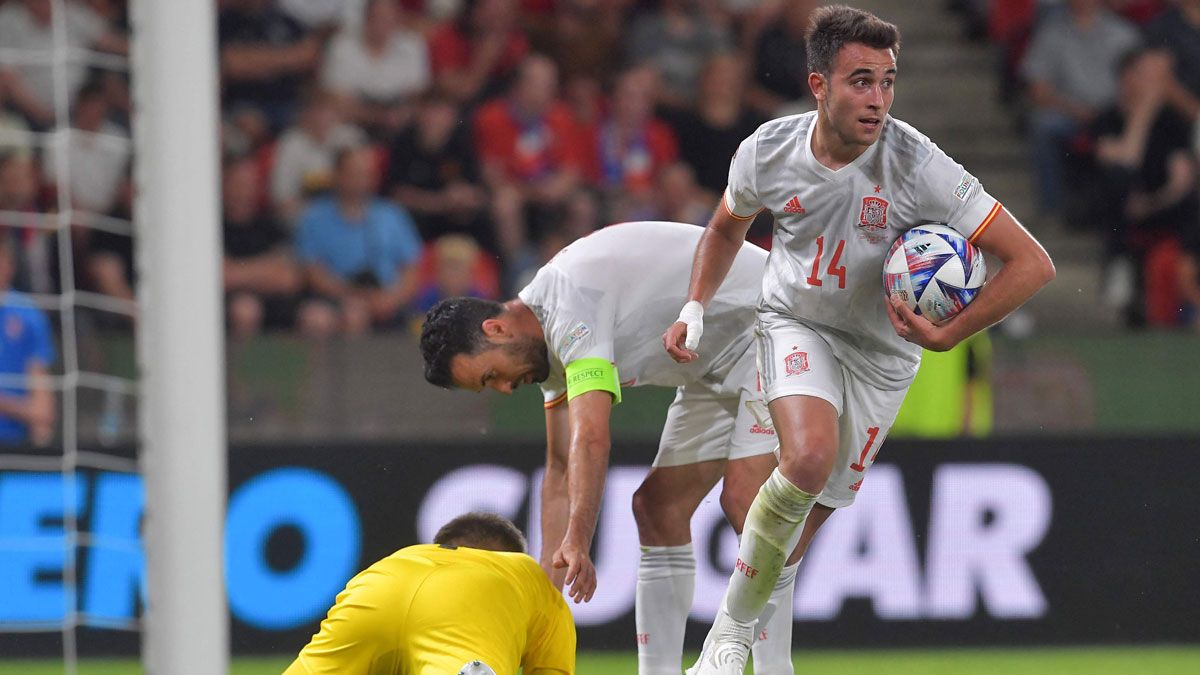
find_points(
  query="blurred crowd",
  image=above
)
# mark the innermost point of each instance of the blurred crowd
(380, 155)
(1109, 94)
(384, 154)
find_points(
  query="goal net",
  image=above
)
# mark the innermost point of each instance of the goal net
(111, 414)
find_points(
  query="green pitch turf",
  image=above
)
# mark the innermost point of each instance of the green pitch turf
(1073, 661)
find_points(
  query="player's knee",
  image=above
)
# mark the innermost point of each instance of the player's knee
(808, 460)
(735, 502)
(657, 518)
(645, 508)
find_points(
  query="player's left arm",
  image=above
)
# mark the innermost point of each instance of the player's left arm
(587, 467)
(1026, 267)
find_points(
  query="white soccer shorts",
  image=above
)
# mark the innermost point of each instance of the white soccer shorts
(795, 359)
(708, 421)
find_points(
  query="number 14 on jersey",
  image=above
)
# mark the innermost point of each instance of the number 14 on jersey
(834, 269)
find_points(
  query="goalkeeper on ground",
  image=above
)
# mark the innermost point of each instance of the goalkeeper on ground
(472, 602)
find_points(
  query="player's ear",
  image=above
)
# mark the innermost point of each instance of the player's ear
(817, 84)
(494, 328)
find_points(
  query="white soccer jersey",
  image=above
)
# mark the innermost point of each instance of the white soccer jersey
(833, 229)
(613, 293)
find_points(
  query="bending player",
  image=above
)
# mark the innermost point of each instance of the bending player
(836, 357)
(471, 603)
(587, 325)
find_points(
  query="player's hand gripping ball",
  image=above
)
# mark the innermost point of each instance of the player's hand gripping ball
(934, 270)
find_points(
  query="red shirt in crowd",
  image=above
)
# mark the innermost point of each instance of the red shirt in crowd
(527, 149)
(634, 164)
(450, 49)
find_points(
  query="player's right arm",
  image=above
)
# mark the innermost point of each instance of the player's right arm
(718, 246)
(554, 487)
(587, 467)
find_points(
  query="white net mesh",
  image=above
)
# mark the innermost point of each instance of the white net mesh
(72, 564)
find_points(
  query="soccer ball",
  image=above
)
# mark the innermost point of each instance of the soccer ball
(934, 270)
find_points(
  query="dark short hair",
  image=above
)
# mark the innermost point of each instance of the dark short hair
(834, 26)
(483, 530)
(453, 327)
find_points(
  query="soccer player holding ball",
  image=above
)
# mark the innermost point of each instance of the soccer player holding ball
(835, 354)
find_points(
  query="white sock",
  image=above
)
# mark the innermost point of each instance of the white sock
(665, 586)
(773, 527)
(773, 638)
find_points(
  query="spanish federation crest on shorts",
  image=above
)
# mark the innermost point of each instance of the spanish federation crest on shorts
(874, 213)
(796, 363)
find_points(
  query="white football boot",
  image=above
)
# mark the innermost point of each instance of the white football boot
(726, 648)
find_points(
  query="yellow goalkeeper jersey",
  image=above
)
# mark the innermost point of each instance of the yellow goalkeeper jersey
(429, 610)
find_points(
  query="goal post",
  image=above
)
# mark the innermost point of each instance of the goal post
(180, 335)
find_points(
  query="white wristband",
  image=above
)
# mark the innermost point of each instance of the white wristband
(692, 314)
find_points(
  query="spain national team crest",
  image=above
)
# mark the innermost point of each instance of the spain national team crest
(796, 363)
(874, 213)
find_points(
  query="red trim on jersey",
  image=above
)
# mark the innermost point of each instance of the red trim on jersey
(986, 222)
(551, 404)
(736, 216)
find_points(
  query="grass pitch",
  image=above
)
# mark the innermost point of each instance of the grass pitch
(1049, 661)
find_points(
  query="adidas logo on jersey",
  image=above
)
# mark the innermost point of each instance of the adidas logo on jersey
(793, 206)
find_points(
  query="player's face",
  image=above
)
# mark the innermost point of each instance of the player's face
(858, 93)
(504, 367)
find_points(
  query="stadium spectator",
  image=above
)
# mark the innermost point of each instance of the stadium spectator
(317, 14)
(1188, 278)
(678, 198)
(359, 253)
(246, 131)
(1070, 69)
(27, 410)
(677, 38)
(14, 130)
(475, 55)
(1010, 24)
(528, 144)
(98, 154)
(27, 25)
(582, 37)
(710, 134)
(380, 67)
(1147, 191)
(259, 269)
(303, 161)
(265, 57)
(107, 260)
(630, 146)
(455, 270)
(433, 172)
(780, 82)
(33, 248)
(1177, 31)
(471, 603)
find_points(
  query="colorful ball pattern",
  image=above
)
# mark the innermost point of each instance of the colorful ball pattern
(935, 270)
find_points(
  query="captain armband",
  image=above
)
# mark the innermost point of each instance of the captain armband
(592, 374)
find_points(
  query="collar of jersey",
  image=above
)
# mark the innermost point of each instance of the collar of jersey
(837, 174)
